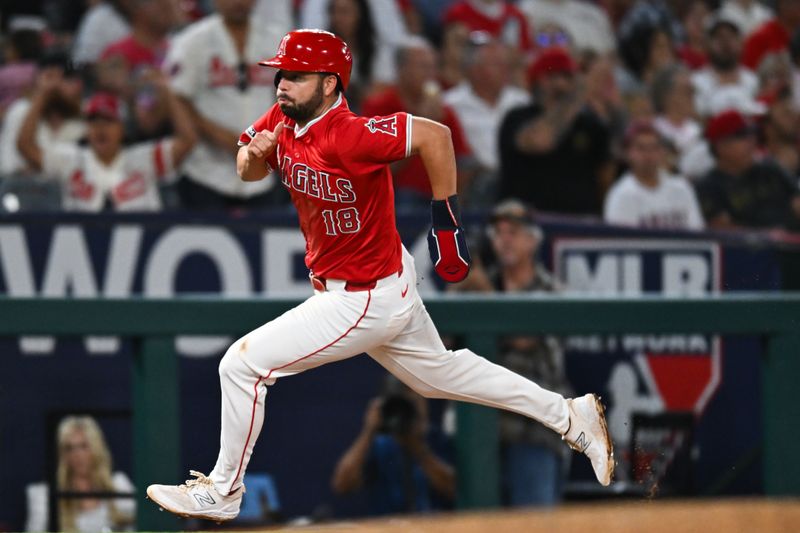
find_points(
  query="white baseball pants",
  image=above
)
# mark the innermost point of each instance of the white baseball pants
(391, 324)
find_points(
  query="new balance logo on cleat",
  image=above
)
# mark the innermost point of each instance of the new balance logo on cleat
(581, 443)
(204, 499)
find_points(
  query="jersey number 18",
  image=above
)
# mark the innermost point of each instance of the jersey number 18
(344, 220)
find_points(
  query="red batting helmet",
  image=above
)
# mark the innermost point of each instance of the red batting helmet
(313, 51)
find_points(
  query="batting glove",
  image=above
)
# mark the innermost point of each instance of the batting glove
(446, 241)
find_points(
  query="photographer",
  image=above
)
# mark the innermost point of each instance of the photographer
(393, 460)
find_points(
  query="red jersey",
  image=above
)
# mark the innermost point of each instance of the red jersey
(769, 38)
(413, 175)
(336, 170)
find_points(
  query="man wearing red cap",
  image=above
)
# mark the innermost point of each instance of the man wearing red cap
(555, 154)
(106, 174)
(335, 165)
(740, 191)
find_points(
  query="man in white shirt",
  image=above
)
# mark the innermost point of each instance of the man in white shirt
(724, 79)
(213, 65)
(647, 196)
(480, 103)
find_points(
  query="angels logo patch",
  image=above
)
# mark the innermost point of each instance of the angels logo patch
(384, 125)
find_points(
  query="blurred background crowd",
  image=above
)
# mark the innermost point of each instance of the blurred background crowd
(678, 114)
(659, 114)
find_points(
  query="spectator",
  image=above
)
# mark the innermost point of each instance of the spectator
(60, 117)
(104, 23)
(724, 78)
(373, 60)
(673, 100)
(555, 153)
(647, 196)
(106, 174)
(386, 18)
(780, 127)
(417, 92)
(692, 52)
(740, 191)
(146, 45)
(213, 65)
(535, 463)
(773, 36)
(587, 23)
(22, 49)
(645, 48)
(748, 15)
(455, 38)
(84, 465)
(393, 458)
(499, 18)
(480, 104)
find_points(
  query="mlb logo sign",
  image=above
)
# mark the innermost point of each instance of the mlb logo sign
(648, 373)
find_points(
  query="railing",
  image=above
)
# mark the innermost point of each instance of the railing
(156, 412)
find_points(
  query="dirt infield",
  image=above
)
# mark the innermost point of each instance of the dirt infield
(707, 516)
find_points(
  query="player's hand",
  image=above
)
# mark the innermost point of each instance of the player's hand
(264, 142)
(447, 243)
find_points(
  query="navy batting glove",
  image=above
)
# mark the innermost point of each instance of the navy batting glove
(447, 243)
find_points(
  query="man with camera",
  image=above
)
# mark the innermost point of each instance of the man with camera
(393, 459)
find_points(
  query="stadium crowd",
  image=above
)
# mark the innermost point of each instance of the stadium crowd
(651, 113)
(673, 114)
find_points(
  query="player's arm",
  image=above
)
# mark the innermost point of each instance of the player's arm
(432, 141)
(27, 144)
(251, 160)
(446, 240)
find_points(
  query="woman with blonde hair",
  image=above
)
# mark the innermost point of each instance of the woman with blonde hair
(84, 465)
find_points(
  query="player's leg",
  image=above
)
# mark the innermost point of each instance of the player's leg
(418, 358)
(327, 327)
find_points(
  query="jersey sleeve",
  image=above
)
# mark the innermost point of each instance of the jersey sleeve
(153, 159)
(60, 160)
(268, 121)
(373, 141)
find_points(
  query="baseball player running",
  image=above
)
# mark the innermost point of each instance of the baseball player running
(335, 165)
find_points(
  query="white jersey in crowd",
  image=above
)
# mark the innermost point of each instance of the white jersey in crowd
(204, 67)
(672, 204)
(129, 183)
(480, 121)
(70, 131)
(712, 97)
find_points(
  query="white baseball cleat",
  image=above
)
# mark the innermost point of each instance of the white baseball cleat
(588, 434)
(197, 498)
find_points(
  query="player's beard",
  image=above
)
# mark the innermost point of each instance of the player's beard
(304, 112)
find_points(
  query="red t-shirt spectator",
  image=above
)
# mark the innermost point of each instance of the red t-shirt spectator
(410, 173)
(135, 54)
(510, 26)
(692, 58)
(771, 37)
